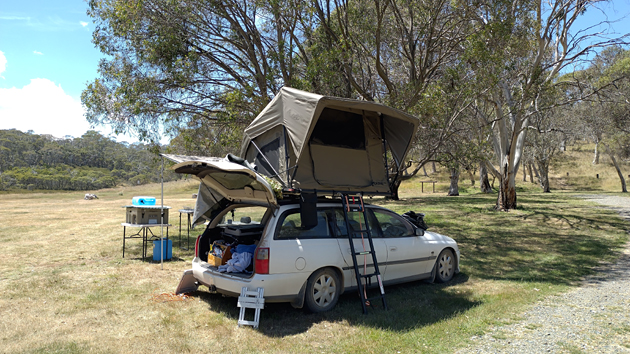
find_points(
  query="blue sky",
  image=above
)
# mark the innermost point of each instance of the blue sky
(47, 58)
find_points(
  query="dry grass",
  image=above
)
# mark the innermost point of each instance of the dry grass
(64, 287)
(576, 161)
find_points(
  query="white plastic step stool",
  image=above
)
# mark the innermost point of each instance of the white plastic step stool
(250, 300)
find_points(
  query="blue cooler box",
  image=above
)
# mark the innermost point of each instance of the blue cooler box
(168, 251)
(141, 201)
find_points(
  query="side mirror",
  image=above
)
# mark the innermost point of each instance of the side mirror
(419, 232)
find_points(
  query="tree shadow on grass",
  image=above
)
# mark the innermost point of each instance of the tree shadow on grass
(551, 241)
(410, 306)
(547, 240)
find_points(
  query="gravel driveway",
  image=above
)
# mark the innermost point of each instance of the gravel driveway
(594, 318)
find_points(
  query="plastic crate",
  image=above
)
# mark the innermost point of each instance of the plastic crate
(139, 215)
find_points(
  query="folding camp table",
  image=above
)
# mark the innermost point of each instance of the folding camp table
(189, 213)
(143, 233)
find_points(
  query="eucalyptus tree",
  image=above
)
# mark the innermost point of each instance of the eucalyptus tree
(546, 134)
(516, 54)
(612, 106)
(462, 151)
(405, 54)
(171, 64)
(391, 51)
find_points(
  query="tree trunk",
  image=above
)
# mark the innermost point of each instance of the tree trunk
(471, 175)
(433, 170)
(507, 190)
(596, 158)
(543, 168)
(424, 170)
(484, 183)
(623, 180)
(531, 175)
(453, 190)
(395, 188)
(535, 171)
(524, 173)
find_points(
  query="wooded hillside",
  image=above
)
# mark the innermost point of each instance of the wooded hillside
(31, 161)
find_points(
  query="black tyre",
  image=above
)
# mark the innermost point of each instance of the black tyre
(445, 266)
(322, 290)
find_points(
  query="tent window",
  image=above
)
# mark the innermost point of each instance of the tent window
(339, 128)
(272, 153)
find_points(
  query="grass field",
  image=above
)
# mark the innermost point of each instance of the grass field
(65, 288)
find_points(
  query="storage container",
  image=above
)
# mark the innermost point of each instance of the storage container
(141, 201)
(149, 215)
(223, 250)
(168, 249)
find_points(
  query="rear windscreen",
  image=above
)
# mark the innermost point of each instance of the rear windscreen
(339, 128)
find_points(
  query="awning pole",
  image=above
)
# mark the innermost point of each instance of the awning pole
(269, 163)
(162, 217)
(286, 153)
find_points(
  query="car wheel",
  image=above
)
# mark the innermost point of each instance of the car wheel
(445, 266)
(322, 290)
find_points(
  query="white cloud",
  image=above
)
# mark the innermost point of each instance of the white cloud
(84, 24)
(3, 63)
(15, 18)
(43, 107)
(38, 53)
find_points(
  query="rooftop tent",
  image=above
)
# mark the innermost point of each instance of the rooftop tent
(328, 144)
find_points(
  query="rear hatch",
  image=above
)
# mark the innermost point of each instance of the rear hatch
(223, 182)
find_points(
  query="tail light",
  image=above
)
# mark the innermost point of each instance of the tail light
(197, 246)
(261, 260)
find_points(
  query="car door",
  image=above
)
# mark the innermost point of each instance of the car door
(408, 256)
(364, 262)
(300, 249)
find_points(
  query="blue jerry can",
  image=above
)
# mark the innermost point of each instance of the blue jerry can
(168, 250)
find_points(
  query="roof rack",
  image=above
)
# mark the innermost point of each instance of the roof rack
(293, 193)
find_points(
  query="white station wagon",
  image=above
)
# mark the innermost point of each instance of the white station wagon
(308, 267)
(312, 149)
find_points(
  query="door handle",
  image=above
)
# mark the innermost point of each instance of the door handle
(393, 248)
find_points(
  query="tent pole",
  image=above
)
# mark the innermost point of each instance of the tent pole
(162, 217)
(270, 165)
(384, 140)
(286, 154)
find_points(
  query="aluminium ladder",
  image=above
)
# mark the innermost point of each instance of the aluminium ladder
(354, 204)
(251, 300)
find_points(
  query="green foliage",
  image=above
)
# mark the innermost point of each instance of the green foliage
(90, 162)
(172, 64)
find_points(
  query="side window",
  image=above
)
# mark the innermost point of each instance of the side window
(392, 225)
(291, 227)
(356, 222)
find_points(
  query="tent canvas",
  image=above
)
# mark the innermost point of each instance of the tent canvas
(327, 144)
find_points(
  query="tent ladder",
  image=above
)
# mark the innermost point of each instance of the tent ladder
(354, 204)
